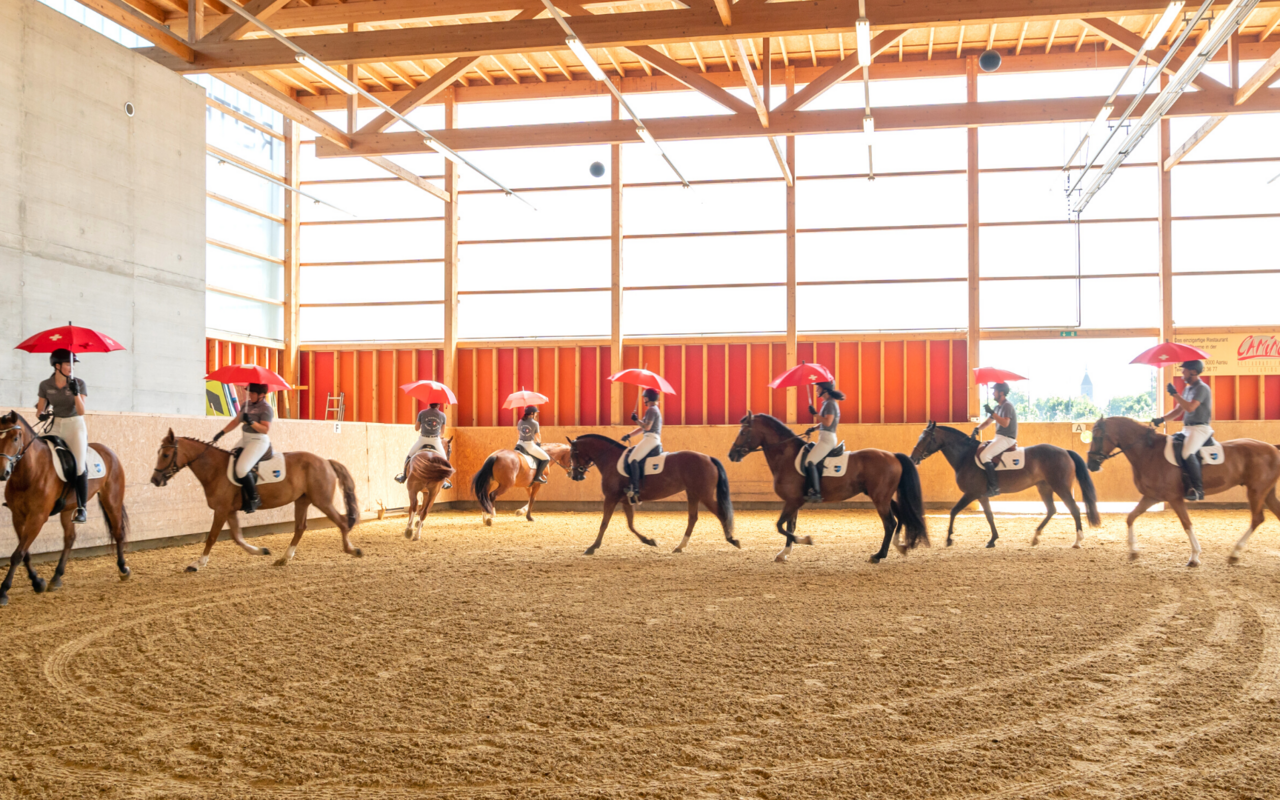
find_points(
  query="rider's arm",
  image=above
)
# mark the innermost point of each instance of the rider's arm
(828, 419)
(1003, 422)
(260, 427)
(417, 425)
(80, 404)
(231, 426)
(40, 406)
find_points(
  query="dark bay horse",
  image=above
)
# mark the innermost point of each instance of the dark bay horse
(32, 490)
(426, 472)
(701, 477)
(504, 469)
(308, 479)
(877, 473)
(1249, 463)
(1049, 468)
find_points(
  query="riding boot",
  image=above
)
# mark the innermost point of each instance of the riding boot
(814, 493)
(82, 497)
(404, 475)
(993, 483)
(250, 500)
(1195, 478)
(538, 477)
(633, 492)
(1183, 470)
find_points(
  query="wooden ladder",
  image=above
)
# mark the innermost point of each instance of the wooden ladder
(336, 404)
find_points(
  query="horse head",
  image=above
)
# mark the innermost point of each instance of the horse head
(748, 441)
(579, 462)
(166, 461)
(12, 438)
(1100, 449)
(927, 444)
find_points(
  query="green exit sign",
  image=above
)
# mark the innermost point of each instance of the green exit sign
(1067, 334)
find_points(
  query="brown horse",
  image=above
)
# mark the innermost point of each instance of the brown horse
(33, 492)
(702, 479)
(877, 473)
(308, 479)
(1049, 468)
(505, 469)
(426, 472)
(1249, 463)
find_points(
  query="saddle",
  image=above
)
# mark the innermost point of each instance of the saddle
(1210, 453)
(270, 468)
(1013, 458)
(64, 463)
(651, 464)
(530, 461)
(834, 463)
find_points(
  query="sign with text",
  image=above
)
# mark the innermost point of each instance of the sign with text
(1238, 353)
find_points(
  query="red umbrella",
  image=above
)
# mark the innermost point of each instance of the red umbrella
(1169, 353)
(430, 392)
(77, 340)
(524, 398)
(645, 378)
(995, 375)
(802, 375)
(243, 374)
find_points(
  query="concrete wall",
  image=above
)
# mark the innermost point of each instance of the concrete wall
(102, 215)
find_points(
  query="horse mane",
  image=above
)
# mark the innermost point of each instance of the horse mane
(777, 426)
(602, 439)
(205, 443)
(26, 426)
(973, 445)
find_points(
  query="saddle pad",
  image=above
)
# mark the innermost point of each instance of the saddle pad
(95, 467)
(831, 465)
(652, 464)
(529, 460)
(269, 471)
(1210, 454)
(1013, 458)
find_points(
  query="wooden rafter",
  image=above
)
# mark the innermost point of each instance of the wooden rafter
(881, 42)
(991, 36)
(1259, 79)
(724, 9)
(375, 77)
(1052, 33)
(1080, 39)
(1022, 37)
(813, 54)
(749, 78)
(929, 56)
(424, 92)
(694, 80)
(617, 65)
(401, 73)
(542, 76)
(1194, 139)
(1130, 42)
(506, 68)
(235, 26)
(960, 42)
(134, 21)
(728, 61)
(560, 65)
(702, 65)
(1275, 23)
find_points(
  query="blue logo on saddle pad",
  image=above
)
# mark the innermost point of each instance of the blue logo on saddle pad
(275, 473)
(838, 469)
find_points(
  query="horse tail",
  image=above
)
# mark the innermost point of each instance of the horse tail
(911, 503)
(480, 484)
(1087, 490)
(348, 493)
(723, 501)
(124, 517)
(431, 469)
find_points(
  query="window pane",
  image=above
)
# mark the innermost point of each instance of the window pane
(1238, 136)
(1225, 189)
(1077, 83)
(705, 259)
(225, 132)
(242, 229)
(910, 92)
(1045, 145)
(372, 283)
(539, 166)
(1225, 299)
(244, 187)
(519, 316)
(1041, 195)
(1104, 303)
(1105, 247)
(1057, 367)
(885, 306)
(379, 323)
(862, 255)
(387, 241)
(237, 315)
(895, 151)
(712, 159)
(848, 202)
(660, 312)
(1225, 244)
(671, 209)
(394, 199)
(533, 112)
(240, 273)
(537, 265)
(496, 216)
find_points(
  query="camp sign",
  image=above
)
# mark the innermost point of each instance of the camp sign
(1238, 353)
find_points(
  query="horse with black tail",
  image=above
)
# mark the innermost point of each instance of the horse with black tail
(878, 474)
(508, 469)
(1049, 468)
(34, 492)
(701, 477)
(425, 474)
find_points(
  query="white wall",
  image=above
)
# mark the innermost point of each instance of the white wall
(102, 215)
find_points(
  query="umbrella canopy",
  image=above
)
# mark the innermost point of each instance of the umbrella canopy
(1169, 353)
(995, 375)
(524, 398)
(643, 377)
(77, 340)
(430, 392)
(244, 374)
(802, 375)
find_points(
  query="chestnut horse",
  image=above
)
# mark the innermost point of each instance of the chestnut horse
(877, 473)
(426, 472)
(505, 469)
(32, 490)
(701, 477)
(308, 479)
(1049, 468)
(1249, 463)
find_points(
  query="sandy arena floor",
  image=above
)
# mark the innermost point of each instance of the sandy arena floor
(501, 662)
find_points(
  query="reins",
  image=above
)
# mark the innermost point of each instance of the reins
(174, 467)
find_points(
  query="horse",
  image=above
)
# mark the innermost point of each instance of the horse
(308, 479)
(33, 493)
(877, 473)
(1249, 463)
(427, 470)
(504, 469)
(1049, 468)
(701, 477)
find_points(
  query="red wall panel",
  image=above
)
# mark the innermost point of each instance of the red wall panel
(693, 388)
(760, 393)
(386, 386)
(305, 378)
(506, 377)
(847, 381)
(737, 382)
(893, 382)
(604, 387)
(367, 374)
(1273, 397)
(588, 386)
(485, 389)
(916, 401)
(1248, 388)
(959, 380)
(650, 359)
(1224, 397)
(716, 412)
(673, 371)
(406, 407)
(825, 354)
(940, 381)
(566, 412)
(346, 377)
(630, 360)
(805, 353)
(466, 388)
(547, 384)
(324, 385)
(778, 366)
(870, 381)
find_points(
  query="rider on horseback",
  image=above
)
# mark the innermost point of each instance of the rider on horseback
(828, 419)
(430, 427)
(651, 427)
(1196, 406)
(256, 417)
(1006, 419)
(530, 438)
(62, 397)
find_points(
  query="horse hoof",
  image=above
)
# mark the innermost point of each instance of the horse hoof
(805, 540)
(1195, 562)
(192, 568)
(4, 600)
(262, 551)
(590, 551)
(488, 522)
(949, 543)
(990, 545)
(125, 573)
(874, 559)
(678, 550)
(54, 584)
(1233, 560)
(736, 543)
(280, 562)
(358, 553)
(1076, 546)
(1035, 542)
(39, 585)
(1133, 556)
(650, 542)
(780, 559)
(901, 548)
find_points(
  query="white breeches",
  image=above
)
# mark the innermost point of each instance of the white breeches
(76, 435)
(532, 449)
(255, 447)
(427, 441)
(1197, 435)
(644, 447)
(826, 442)
(998, 445)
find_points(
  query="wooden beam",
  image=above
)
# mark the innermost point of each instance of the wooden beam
(409, 177)
(815, 89)
(173, 50)
(236, 26)
(974, 334)
(1170, 161)
(1131, 42)
(195, 20)
(1275, 23)
(1022, 37)
(451, 260)
(305, 18)
(792, 343)
(1052, 33)
(1259, 79)
(615, 268)
(691, 78)
(424, 92)
(254, 86)
(292, 273)
(753, 88)
(1165, 247)
(724, 9)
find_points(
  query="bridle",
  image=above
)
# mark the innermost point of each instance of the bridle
(13, 460)
(927, 442)
(174, 467)
(1100, 432)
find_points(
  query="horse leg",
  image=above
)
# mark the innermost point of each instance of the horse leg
(956, 509)
(300, 507)
(38, 584)
(8, 578)
(1256, 501)
(331, 511)
(1138, 510)
(116, 521)
(413, 508)
(630, 511)
(238, 536)
(1074, 508)
(1180, 508)
(885, 510)
(986, 509)
(1046, 494)
(426, 509)
(688, 531)
(787, 527)
(26, 535)
(68, 541)
(219, 519)
(604, 523)
(528, 509)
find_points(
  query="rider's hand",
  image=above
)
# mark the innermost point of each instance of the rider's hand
(626, 437)
(976, 434)
(635, 417)
(813, 412)
(44, 415)
(811, 430)
(218, 436)
(1157, 421)
(73, 387)
(1171, 389)
(987, 408)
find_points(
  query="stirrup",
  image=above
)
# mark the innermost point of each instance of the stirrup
(80, 515)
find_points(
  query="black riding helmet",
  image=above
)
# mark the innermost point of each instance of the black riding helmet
(652, 395)
(258, 388)
(1001, 387)
(830, 389)
(62, 356)
(529, 411)
(1196, 366)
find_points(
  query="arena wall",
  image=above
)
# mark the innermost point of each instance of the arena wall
(102, 215)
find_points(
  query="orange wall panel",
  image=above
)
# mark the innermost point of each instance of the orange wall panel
(940, 381)
(959, 380)
(506, 377)
(847, 380)
(588, 386)
(673, 371)
(694, 391)
(1248, 387)
(916, 402)
(406, 408)
(347, 381)
(367, 374)
(805, 353)
(526, 377)
(603, 386)
(1224, 397)
(485, 390)
(893, 382)
(466, 388)
(630, 360)
(547, 384)
(386, 386)
(426, 371)
(567, 388)
(870, 381)
(779, 366)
